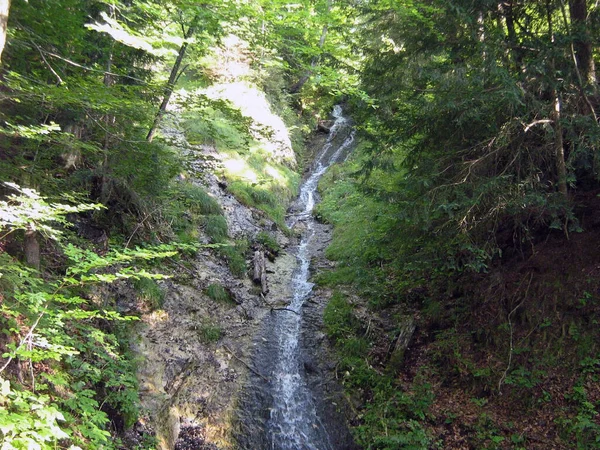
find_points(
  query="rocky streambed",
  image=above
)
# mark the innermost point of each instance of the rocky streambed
(295, 403)
(207, 369)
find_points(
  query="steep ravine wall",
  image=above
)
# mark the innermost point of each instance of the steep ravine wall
(195, 353)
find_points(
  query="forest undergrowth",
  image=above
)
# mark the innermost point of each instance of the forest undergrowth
(501, 358)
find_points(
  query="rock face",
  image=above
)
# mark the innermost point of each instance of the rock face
(194, 353)
(188, 374)
(324, 126)
(260, 271)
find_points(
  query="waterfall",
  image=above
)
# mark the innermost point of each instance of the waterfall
(293, 423)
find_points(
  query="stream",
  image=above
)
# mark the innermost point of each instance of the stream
(279, 410)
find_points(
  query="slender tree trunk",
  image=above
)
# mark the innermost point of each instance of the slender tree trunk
(304, 78)
(555, 115)
(582, 44)
(508, 12)
(559, 148)
(481, 33)
(108, 82)
(588, 76)
(31, 247)
(109, 119)
(4, 8)
(172, 80)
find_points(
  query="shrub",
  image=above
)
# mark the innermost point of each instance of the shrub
(74, 346)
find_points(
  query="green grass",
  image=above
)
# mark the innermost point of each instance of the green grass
(272, 200)
(215, 227)
(209, 332)
(340, 322)
(218, 293)
(391, 418)
(213, 126)
(235, 255)
(257, 176)
(149, 292)
(195, 197)
(192, 209)
(187, 208)
(268, 241)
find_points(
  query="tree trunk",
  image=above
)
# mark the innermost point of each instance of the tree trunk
(32, 249)
(304, 78)
(4, 8)
(172, 80)
(582, 43)
(559, 149)
(507, 11)
(108, 82)
(481, 33)
(555, 115)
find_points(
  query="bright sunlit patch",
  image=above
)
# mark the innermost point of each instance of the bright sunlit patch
(275, 174)
(238, 168)
(156, 317)
(268, 128)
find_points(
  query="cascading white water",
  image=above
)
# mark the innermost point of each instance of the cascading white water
(293, 423)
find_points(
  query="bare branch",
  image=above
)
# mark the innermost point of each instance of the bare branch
(73, 63)
(536, 122)
(60, 80)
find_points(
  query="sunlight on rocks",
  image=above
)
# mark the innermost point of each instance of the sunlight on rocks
(230, 65)
(156, 317)
(239, 168)
(268, 128)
